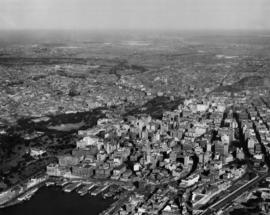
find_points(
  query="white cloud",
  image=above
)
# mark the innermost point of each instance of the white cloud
(135, 13)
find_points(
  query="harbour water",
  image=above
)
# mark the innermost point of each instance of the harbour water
(53, 201)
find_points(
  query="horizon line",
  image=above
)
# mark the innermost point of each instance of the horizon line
(135, 29)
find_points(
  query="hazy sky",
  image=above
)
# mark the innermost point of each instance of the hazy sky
(135, 14)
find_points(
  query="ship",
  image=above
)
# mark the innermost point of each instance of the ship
(92, 188)
(100, 189)
(93, 191)
(84, 190)
(62, 184)
(27, 195)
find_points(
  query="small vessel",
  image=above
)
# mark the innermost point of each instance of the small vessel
(108, 195)
(82, 191)
(27, 195)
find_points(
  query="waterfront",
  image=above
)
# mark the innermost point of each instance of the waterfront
(53, 201)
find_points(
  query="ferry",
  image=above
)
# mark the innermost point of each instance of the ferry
(79, 188)
(100, 189)
(92, 191)
(63, 183)
(92, 188)
(84, 190)
(70, 187)
(28, 195)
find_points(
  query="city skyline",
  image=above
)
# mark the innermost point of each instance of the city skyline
(131, 107)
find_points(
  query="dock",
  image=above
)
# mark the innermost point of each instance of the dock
(70, 187)
(100, 189)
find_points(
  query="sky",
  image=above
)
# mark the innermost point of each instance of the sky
(135, 14)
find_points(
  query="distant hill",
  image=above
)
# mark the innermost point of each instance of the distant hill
(245, 83)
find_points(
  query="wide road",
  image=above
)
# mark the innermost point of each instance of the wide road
(230, 197)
